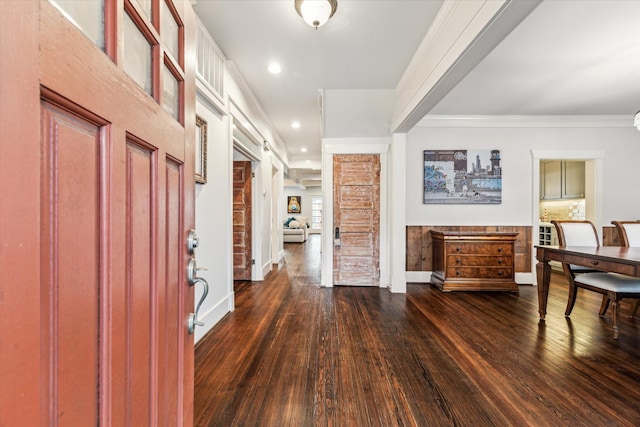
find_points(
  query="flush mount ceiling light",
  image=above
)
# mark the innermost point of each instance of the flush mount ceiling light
(316, 12)
(636, 120)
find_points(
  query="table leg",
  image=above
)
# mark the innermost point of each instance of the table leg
(543, 271)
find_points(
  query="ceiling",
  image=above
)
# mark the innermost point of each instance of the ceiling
(568, 57)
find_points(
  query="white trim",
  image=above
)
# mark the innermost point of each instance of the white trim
(418, 276)
(257, 267)
(398, 212)
(266, 267)
(612, 121)
(524, 278)
(355, 145)
(207, 96)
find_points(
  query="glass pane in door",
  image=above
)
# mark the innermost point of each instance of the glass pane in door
(170, 31)
(87, 15)
(137, 55)
(170, 93)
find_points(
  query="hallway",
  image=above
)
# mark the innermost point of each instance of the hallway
(295, 354)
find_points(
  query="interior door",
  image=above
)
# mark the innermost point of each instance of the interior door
(107, 205)
(242, 220)
(356, 195)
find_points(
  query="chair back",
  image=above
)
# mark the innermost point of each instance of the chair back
(629, 232)
(576, 233)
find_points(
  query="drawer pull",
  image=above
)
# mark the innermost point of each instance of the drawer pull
(458, 249)
(499, 249)
(500, 273)
(457, 273)
(458, 261)
(594, 262)
(500, 261)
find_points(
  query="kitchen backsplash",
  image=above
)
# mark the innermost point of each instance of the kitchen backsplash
(562, 210)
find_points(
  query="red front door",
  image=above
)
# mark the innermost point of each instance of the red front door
(97, 199)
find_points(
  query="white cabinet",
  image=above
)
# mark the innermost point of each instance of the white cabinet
(561, 179)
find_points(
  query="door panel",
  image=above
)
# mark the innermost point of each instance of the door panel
(242, 220)
(357, 215)
(71, 283)
(140, 254)
(170, 301)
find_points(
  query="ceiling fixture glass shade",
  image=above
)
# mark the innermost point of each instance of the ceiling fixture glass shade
(316, 12)
(636, 120)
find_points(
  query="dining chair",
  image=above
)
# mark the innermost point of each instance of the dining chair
(614, 287)
(577, 233)
(629, 232)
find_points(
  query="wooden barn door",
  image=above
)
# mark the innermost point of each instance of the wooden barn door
(356, 210)
(242, 220)
(108, 202)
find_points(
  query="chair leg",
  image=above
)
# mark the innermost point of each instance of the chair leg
(634, 308)
(573, 293)
(604, 305)
(614, 314)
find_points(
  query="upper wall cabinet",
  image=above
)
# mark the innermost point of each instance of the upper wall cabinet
(561, 179)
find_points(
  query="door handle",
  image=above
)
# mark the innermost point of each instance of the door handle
(192, 277)
(336, 240)
(193, 317)
(192, 272)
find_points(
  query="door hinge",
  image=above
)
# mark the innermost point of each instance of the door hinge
(253, 261)
(253, 174)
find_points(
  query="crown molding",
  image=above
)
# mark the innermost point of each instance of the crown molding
(602, 121)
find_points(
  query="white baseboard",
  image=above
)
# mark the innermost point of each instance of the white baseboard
(213, 316)
(418, 276)
(266, 268)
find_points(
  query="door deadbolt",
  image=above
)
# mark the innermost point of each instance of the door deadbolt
(192, 241)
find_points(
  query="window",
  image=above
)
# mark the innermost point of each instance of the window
(316, 212)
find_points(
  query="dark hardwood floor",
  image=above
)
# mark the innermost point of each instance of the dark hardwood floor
(295, 354)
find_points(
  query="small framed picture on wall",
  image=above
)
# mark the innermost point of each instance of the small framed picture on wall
(293, 204)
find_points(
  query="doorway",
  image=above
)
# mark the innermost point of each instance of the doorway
(356, 219)
(242, 224)
(593, 186)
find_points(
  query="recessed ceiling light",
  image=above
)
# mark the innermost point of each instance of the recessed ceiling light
(275, 68)
(295, 125)
(303, 149)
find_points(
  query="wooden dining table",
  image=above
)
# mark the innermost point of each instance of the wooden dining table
(610, 259)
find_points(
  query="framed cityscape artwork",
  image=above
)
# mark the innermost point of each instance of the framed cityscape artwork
(462, 177)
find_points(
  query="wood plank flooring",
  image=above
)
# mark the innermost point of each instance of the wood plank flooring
(295, 354)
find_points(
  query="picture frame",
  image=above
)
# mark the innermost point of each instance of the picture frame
(294, 204)
(201, 151)
(462, 177)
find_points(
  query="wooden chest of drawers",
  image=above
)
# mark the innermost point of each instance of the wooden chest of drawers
(464, 261)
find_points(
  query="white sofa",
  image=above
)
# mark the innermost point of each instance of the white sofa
(297, 232)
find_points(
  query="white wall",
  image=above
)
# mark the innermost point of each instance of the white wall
(213, 221)
(620, 180)
(357, 113)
